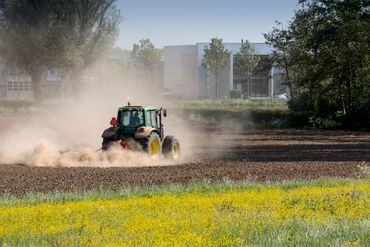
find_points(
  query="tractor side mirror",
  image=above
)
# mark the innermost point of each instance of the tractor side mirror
(113, 122)
(165, 112)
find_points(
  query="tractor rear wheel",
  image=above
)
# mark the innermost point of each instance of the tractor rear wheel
(152, 145)
(171, 148)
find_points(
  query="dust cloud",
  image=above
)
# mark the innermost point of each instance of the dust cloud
(69, 132)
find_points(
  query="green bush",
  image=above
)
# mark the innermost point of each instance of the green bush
(234, 94)
(248, 118)
(323, 123)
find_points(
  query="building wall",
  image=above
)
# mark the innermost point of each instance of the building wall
(18, 85)
(2, 87)
(278, 79)
(185, 75)
(180, 71)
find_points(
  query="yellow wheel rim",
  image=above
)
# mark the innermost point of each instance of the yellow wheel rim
(175, 151)
(154, 148)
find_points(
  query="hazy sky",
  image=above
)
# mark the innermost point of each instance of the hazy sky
(186, 22)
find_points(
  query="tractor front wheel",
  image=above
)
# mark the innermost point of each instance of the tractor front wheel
(171, 148)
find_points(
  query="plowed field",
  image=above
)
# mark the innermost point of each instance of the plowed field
(261, 155)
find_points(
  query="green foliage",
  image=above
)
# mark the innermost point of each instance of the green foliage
(235, 94)
(147, 56)
(246, 60)
(216, 58)
(325, 54)
(233, 104)
(252, 116)
(280, 38)
(175, 189)
(279, 119)
(323, 123)
(146, 53)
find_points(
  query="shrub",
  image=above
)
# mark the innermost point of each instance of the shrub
(234, 94)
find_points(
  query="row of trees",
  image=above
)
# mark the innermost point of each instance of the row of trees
(325, 52)
(216, 59)
(65, 36)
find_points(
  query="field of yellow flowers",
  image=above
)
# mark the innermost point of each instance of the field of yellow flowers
(334, 213)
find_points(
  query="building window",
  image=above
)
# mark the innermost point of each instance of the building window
(27, 86)
(19, 86)
(10, 86)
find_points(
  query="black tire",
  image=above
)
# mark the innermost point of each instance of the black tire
(106, 144)
(150, 147)
(171, 148)
(109, 136)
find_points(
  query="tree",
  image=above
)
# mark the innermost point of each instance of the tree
(246, 61)
(216, 59)
(326, 47)
(63, 35)
(147, 55)
(281, 39)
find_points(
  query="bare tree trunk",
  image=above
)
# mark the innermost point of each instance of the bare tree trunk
(289, 83)
(344, 108)
(341, 95)
(216, 86)
(249, 84)
(36, 77)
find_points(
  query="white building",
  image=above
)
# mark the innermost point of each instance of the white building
(18, 85)
(185, 76)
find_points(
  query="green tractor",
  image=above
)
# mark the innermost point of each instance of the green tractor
(140, 128)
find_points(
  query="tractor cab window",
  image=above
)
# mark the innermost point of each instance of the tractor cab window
(151, 117)
(132, 118)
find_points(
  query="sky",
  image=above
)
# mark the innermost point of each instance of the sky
(187, 22)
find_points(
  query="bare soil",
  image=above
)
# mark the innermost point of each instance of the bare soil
(259, 155)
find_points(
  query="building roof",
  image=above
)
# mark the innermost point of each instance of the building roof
(261, 48)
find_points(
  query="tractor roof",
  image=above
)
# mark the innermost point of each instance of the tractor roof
(146, 108)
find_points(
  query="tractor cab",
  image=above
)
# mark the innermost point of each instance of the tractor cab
(133, 119)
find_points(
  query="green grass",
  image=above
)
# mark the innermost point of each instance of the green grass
(232, 104)
(19, 106)
(175, 189)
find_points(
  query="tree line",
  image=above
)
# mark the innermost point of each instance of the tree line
(325, 53)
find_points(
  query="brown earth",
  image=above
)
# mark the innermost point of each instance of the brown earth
(260, 155)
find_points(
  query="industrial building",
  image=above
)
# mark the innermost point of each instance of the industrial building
(185, 76)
